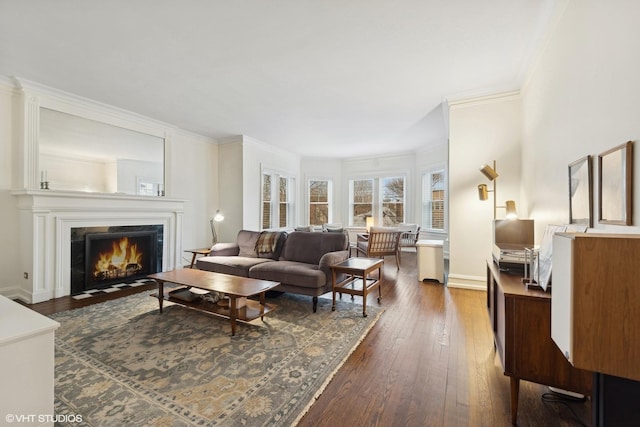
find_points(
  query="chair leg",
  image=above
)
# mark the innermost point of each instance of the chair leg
(315, 304)
(398, 260)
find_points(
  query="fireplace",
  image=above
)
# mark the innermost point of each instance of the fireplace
(113, 256)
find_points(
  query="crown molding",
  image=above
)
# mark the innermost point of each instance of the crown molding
(70, 103)
(487, 99)
(178, 132)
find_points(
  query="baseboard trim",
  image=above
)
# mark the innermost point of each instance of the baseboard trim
(467, 282)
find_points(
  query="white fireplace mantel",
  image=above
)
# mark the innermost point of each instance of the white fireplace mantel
(46, 220)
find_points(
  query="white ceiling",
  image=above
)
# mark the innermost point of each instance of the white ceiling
(321, 78)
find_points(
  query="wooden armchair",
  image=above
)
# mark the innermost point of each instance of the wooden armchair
(380, 242)
(409, 236)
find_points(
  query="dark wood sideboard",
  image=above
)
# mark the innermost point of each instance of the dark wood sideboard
(521, 322)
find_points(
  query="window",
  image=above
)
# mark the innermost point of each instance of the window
(319, 197)
(284, 202)
(277, 200)
(266, 201)
(433, 200)
(361, 195)
(379, 197)
(392, 196)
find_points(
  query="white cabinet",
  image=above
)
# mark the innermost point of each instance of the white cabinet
(430, 260)
(26, 363)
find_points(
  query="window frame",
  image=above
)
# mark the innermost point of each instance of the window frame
(404, 198)
(275, 202)
(427, 201)
(377, 196)
(329, 202)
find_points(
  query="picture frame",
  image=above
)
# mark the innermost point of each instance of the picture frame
(615, 185)
(581, 192)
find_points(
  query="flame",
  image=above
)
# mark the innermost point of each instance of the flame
(122, 261)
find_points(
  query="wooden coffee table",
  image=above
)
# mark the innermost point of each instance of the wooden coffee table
(233, 286)
(358, 281)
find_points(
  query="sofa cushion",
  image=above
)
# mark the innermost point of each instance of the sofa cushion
(246, 241)
(235, 265)
(290, 272)
(308, 248)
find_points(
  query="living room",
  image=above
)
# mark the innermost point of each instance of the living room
(576, 98)
(533, 133)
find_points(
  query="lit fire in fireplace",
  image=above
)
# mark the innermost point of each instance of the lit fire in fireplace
(124, 260)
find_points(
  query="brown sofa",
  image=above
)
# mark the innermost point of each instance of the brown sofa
(300, 260)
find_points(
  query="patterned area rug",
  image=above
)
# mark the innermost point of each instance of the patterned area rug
(122, 363)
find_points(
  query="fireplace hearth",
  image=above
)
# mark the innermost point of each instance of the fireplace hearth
(107, 256)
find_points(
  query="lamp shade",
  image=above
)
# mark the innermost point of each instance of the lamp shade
(510, 206)
(218, 217)
(489, 172)
(483, 192)
(369, 223)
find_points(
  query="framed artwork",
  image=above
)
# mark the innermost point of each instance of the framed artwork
(581, 192)
(615, 185)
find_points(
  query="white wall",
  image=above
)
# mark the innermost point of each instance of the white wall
(582, 98)
(9, 249)
(193, 176)
(230, 189)
(481, 130)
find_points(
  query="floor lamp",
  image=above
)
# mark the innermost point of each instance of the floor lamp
(218, 217)
(483, 192)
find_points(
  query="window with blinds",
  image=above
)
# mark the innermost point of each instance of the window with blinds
(319, 197)
(433, 200)
(266, 201)
(278, 208)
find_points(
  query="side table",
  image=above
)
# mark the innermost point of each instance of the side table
(358, 281)
(196, 252)
(430, 260)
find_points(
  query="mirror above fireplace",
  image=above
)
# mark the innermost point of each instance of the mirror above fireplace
(71, 143)
(80, 154)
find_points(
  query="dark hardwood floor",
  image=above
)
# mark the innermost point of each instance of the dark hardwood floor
(429, 361)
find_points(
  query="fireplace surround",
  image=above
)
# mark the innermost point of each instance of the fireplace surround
(47, 218)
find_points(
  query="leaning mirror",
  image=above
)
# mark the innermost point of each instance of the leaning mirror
(79, 154)
(615, 180)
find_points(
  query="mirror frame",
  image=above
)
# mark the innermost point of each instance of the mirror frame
(35, 96)
(615, 185)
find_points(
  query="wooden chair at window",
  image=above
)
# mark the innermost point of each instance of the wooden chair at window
(409, 236)
(380, 242)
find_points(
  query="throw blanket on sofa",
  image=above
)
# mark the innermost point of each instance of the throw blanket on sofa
(267, 241)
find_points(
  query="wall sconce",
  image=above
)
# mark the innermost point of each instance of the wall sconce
(483, 192)
(218, 217)
(369, 223)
